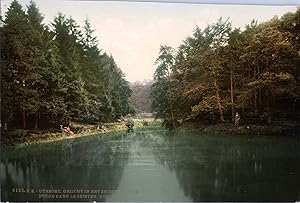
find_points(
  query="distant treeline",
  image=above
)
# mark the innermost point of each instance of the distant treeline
(220, 70)
(54, 73)
(140, 97)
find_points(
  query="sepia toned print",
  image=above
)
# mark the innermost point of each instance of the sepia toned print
(149, 101)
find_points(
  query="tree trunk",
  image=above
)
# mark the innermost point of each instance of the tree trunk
(259, 99)
(255, 91)
(231, 94)
(172, 115)
(37, 118)
(243, 108)
(219, 101)
(255, 103)
(219, 104)
(170, 100)
(68, 121)
(23, 118)
(269, 100)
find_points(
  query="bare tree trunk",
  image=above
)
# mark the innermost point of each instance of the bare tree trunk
(255, 103)
(243, 108)
(259, 100)
(231, 94)
(219, 101)
(255, 91)
(170, 100)
(23, 118)
(172, 115)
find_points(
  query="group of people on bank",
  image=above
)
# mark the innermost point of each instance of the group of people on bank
(130, 123)
(67, 129)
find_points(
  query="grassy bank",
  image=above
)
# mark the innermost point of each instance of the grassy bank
(19, 137)
(283, 128)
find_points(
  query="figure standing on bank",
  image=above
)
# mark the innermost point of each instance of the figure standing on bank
(237, 119)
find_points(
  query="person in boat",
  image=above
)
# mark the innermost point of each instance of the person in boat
(145, 123)
(129, 124)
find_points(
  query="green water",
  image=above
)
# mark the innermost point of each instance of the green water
(154, 165)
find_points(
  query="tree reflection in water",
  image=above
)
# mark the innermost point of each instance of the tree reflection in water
(159, 165)
(227, 168)
(87, 163)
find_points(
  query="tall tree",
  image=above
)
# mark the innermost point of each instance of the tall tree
(162, 89)
(20, 69)
(56, 73)
(209, 69)
(67, 36)
(38, 59)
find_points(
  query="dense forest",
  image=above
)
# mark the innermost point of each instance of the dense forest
(54, 73)
(220, 70)
(57, 72)
(140, 97)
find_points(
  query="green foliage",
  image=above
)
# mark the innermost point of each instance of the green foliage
(56, 72)
(220, 70)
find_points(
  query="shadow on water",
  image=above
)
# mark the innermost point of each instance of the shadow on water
(228, 168)
(157, 165)
(83, 163)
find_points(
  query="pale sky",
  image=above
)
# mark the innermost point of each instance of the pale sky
(133, 31)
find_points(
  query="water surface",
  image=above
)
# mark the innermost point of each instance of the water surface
(154, 165)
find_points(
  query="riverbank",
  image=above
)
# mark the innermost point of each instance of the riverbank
(282, 128)
(20, 137)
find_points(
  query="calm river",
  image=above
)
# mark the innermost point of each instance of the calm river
(154, 165)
